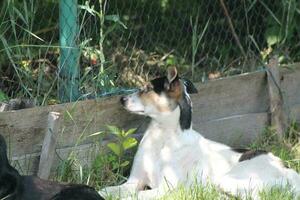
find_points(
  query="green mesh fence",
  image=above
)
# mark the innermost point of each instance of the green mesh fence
(124, 43)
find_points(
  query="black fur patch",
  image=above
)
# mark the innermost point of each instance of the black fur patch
(13, 186)
(185, 119)
(248, 154)
(9, 177)
(159, 84)
(190, 87)
(78, 192)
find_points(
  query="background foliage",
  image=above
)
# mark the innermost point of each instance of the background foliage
(124, 43)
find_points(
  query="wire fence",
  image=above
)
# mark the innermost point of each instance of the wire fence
(124, 43)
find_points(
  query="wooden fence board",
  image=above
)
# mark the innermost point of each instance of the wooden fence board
(290, 85)
(25, 129)
(295, 113)
(237, 95)
(27, 164)
(236, 131)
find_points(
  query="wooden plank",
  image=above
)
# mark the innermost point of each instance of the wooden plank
(78, 119)
(236, 131)
(237, 95)
(27, 164)
(290, 85)
(49, 146)
(295, 113)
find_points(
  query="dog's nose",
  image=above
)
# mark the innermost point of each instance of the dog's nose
(123, 100)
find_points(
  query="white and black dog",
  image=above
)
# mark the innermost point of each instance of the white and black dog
(13, 186)
(171, 153)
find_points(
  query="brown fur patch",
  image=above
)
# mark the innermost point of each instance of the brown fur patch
(152, 98)
(175, 91)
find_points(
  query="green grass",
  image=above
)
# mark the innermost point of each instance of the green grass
(210, 192)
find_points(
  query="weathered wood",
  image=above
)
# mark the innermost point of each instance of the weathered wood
(290, 85)
(49, 146)
(236, 131)
(295, 113)
(278, 118)
(27, 164)
(25, 129)
(237, 95)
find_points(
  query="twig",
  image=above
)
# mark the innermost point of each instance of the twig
(236, 38)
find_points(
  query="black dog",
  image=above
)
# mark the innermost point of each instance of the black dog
(13, 186)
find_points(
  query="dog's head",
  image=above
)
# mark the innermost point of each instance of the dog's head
(161, 96)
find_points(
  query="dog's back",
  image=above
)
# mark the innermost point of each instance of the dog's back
(13, 186)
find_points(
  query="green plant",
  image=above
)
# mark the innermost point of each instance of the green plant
(196, 39)
(3, 96)
(282, 30)
(106, 167)
(124, 142)
(103, 81)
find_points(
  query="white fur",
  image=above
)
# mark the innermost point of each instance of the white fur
(168, 156)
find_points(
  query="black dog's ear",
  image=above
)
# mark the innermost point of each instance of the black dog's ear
(3, 155)
(190, 87)
(2, 143)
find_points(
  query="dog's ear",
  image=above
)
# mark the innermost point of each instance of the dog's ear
(172, 74)
(3, 155)
(190, 87)
(172, 79)
(2, 143)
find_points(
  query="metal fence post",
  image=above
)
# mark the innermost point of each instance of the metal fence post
(69, 51)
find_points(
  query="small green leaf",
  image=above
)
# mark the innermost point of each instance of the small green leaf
(129, 132)
(125, 163)
(114, 130)
(115, 148)
(129, 143)
(116, 19)
(273, 35)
